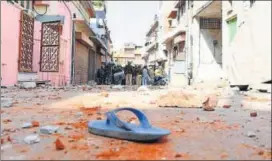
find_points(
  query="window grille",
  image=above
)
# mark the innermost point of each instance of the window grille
(210, 23)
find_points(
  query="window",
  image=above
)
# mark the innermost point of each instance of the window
(232, 25)
(210, 23)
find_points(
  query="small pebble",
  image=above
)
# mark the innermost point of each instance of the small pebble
(79, 114)
(226, 106)
(178, 155)
(253, 114)
(68, 128)
(251, 134)
(27, 125)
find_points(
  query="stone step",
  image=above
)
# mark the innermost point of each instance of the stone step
(31, 83)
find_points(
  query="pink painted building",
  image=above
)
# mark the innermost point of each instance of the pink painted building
(38, 40)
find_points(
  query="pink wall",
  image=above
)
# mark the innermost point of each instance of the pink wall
(9, 43)
(63, 76)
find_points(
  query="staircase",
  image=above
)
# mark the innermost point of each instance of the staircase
(29, 80)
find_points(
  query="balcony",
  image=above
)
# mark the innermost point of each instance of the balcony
(151, 46)
(174, 32)
(87, 5)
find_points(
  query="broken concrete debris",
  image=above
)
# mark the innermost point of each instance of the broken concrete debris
(32, 139)
(117, 87)
(6, 102)
(251, 134)
(143, 90)
(209, 104)
(5, 147)
(74, 123)
(79, 114)
(27, 125)
(49, 129)
(27, 85)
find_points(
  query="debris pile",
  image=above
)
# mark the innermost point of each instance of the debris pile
(179, 99)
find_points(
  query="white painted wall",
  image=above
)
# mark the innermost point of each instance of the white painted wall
(247, 60)
(206, 57)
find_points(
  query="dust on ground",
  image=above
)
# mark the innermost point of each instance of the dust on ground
(227, 132)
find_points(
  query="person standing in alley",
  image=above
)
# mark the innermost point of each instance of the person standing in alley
(128, 73)
(145, 76)
(134, 73)
(139, 75)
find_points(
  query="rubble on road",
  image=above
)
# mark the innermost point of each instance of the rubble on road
(117, 87)
(35, 124)
(27, 85)
(59, 145)
(226, 106)
(179, 99)
(210, 103)
(143, 90)
(6, 102)
(79, 114)
(5, 147)
(27, 125)
(104, 94)
(253, 114)
(32, 139)
(251, 134)
(73, 112)
(49, 129)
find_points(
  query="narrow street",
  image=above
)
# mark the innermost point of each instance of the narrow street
(225, 133)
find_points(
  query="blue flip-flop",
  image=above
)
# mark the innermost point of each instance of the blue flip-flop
(115, 128)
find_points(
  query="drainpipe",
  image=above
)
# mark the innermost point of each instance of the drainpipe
(189, 44)
(73, 43)
(73, 54)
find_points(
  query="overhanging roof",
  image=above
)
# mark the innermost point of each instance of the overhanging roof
(84, 24)
(99, 41)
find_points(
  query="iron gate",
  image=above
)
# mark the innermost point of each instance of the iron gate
(26, 43)
(210, 23)
(50, 46)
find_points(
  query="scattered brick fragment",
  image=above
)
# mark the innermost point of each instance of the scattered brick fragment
(253, 114)
(226, 106)
(59, 145)
(35, 124)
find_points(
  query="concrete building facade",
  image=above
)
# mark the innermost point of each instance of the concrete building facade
(173, 20)
(214, 40)
(230, 40)
(129, 53)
